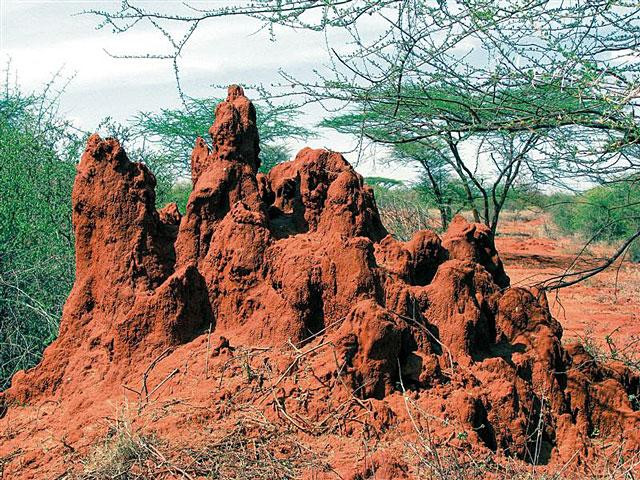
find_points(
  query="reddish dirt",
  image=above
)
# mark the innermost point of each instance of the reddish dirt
(603, 307)
(283, 296)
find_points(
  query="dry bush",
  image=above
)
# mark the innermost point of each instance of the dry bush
(612, 350)
(403, 218)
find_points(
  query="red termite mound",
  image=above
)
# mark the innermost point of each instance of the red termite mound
(300, 255)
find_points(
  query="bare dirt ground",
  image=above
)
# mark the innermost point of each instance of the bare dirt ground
(604, 309)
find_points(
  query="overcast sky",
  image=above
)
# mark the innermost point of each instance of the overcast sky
(43, 37)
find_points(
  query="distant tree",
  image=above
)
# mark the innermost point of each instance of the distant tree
(174, 131)
(436, 175)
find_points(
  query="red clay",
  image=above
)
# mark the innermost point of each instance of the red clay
(300, 258)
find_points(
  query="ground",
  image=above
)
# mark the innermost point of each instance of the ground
(603, 307)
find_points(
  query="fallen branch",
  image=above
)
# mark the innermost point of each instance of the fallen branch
(558, 281)
(151, 366)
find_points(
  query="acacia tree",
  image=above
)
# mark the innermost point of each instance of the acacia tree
(174, 131)
(486, 168)
(541, 89)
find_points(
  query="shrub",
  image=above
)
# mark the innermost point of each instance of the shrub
(605, 213)
(634, 251)
(403, 210)
(38, 152)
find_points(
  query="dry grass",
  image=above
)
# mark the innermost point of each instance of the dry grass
(253, 448)
(124, 454)
(525, 215)
(117, 454)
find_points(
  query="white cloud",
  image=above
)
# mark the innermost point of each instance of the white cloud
(41, 37)
(86, 58)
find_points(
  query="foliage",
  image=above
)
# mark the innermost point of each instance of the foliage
(38, 152)
(543, 92)
(384, 182)
(605, 213)
(177, 192)
(442, 188)
(523, 197)
(174, 131)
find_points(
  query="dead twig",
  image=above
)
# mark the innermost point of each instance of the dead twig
(206, 361)
(151, 366)
(297, 359)
(166, 379)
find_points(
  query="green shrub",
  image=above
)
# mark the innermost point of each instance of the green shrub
(608, 213)
(177, 192)
(634, 251)
(38, 152)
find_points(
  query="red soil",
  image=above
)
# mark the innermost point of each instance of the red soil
(603, 307)
(329, 329)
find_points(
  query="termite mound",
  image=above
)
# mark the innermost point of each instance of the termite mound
(300, 255)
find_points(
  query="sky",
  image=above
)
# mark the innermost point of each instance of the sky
(43, 37)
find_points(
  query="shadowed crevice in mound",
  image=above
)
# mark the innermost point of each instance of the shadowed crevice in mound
(300, 255)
